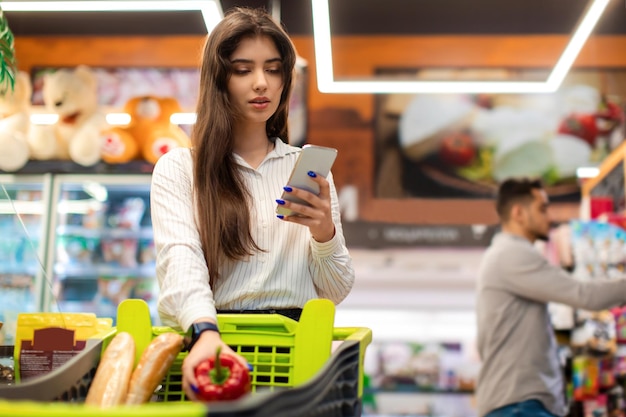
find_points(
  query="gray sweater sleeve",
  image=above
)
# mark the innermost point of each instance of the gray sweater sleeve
(530, 275)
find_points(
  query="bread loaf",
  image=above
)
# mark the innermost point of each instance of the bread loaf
(110, 383)
(155, 361)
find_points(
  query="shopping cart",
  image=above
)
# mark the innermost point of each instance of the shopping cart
(294, 372)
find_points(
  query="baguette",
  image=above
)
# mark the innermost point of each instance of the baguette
(155, 361)
(110, 383)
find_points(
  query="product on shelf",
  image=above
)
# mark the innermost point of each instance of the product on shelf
(596, 333)
(15, 125)
(76, 250)
(422, 367)
(585, 372)
(7, 367)
(94, 218)
(620, 323)
(72, 94)
(147, 252)
(599, 249)
(128, 215)
(115, 290)
(122, 252)
(150, 133)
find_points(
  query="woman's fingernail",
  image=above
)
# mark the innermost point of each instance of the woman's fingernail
(250, 367)
(280, 216)
(288, 189)
(312, 174)
(194, 388)
(281, 202)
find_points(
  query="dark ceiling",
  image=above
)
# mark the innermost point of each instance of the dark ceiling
(348, 17)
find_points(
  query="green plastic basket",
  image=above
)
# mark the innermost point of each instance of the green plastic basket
(284, 354)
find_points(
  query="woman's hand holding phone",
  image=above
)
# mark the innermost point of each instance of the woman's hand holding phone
(306, 197)
(316, 214)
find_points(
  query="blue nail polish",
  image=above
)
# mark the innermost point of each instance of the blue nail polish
(288, 189)
(280, 216)
(194, 388)
(311, 174)
(281, 202)
(250, 367)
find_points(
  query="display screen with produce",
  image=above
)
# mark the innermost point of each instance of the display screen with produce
(453, 145)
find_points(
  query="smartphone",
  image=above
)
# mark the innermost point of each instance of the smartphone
(318, 159)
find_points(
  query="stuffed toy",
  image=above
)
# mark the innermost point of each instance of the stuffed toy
(149, 135)
(15, 124)
(73, 96)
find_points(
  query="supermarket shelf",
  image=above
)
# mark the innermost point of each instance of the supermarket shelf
(15, 231)
(18, 270)
(104, 233)
(98, 306)
(21, 207)
(74, 306)
(397, 415)
(69, 167)
(412, 389)
(95, 271)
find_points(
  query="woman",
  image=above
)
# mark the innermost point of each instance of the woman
(220, 245)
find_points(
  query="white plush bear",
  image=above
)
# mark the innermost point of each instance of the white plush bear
(15, 124)
(73, 96)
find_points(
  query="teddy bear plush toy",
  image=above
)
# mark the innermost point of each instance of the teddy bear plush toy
(72, 94)
(15, 124)
(150, 133)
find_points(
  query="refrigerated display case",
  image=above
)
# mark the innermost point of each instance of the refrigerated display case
(101, 249)
(24, 218)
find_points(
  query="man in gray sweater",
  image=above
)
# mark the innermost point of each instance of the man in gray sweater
(521, 375)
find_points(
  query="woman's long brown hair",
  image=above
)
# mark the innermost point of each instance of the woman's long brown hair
(222, 201)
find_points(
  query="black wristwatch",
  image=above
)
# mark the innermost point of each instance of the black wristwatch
(196, 329)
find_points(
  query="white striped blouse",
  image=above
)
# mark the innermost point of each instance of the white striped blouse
(293, 269)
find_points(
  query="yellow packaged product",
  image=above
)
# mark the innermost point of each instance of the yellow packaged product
(45, 341)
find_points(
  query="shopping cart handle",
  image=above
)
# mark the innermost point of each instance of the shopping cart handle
(362, 334)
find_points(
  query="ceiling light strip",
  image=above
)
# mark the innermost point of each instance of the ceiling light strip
(99, 6)
(327, 84)
(576, 43)
(323, 46)
(211, 9)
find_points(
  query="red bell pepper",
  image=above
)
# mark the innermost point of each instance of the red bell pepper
(222, 377)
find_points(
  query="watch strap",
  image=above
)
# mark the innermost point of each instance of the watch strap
(196, 329)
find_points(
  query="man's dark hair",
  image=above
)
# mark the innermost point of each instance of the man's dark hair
(514, 191)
